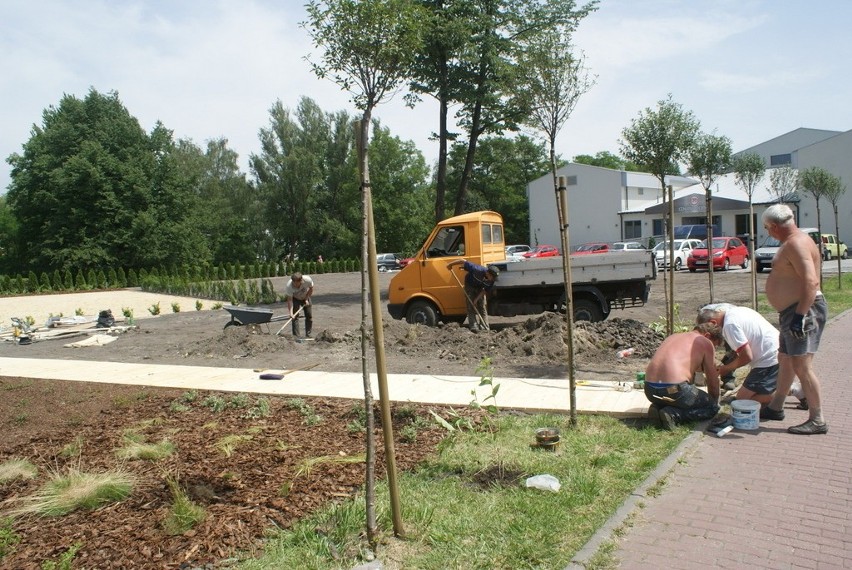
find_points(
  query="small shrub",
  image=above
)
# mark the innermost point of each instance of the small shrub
(8, 537)
(176, 406)
(175, 307)
(16, 468)
(239, 401)
(228, 444)
(198, 305)
(65, 561)
(78, 311)
(183, 514)
(259, 410)
(215, 403)
(154, 309)
(78, 490)
(145, 451)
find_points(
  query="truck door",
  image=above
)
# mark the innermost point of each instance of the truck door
(447, 245)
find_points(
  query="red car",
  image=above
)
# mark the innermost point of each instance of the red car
(406, 261)
(543, 251)
(727, 251)
(588, 248)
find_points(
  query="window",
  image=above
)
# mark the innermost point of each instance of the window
(780, 159)
(658, 227)
(632, 229)
(449, 241)
(492, 233)
(741, 224)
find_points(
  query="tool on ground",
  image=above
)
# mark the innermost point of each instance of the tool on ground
(480, 320)
(268, 375)
(290, 320)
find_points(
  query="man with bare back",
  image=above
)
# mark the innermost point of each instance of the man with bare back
(668, 377)
(793, 289)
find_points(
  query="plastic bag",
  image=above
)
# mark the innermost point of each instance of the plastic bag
(544, 482)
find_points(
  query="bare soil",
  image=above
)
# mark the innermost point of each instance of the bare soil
(63, 425)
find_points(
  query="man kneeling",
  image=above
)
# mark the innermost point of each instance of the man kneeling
(668, 377)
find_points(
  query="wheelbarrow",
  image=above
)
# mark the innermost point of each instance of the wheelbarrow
(255, 316)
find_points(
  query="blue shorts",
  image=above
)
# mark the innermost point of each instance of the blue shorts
(814, 323)
(762, 380)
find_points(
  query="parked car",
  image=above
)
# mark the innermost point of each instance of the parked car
(764, 255)
(727, 251)
(628, 246)
(589, 248)
(832, 247)
(388, 262)
(405, 261)
(516, 251)
(682, 249)
(542, 251)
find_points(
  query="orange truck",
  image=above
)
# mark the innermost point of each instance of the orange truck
(426, 292)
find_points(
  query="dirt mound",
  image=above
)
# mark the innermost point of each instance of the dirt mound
(536, 343)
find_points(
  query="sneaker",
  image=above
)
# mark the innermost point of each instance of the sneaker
(767, 413)
(810, 427)
(654, 416)
(730, 385)
(667, 421)
(803, 404)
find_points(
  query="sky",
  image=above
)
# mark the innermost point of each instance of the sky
(750, 70)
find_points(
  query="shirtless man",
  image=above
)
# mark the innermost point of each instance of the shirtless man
(668, 377)
(793, 289)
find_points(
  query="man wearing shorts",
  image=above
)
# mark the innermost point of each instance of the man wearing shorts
(755, 343)
(668, 377)
(793, 289)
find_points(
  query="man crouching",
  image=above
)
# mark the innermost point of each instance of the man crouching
(668, 377)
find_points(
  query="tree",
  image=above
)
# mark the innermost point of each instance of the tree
(8, 238)
(783, 183)
(658, 140)
(606, 159)
(472, 56)
(749, 169)
(92, 189)
(499, 179)
(833, 192)
(709, 157)
(368, 50)
(817, 182)
(289, 171)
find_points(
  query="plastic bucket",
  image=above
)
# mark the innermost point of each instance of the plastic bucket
(746, 414)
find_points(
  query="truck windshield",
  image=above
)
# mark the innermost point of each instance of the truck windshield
(449, 241)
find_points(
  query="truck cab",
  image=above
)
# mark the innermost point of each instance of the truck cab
(425, 291)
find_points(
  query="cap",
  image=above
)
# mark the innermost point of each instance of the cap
(494, 271)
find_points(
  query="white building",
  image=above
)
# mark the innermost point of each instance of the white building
(612, 205)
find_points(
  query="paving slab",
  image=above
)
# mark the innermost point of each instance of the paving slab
(609, 398)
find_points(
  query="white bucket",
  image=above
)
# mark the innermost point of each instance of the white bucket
(746, 414)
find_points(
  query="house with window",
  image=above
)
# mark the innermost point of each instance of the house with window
(610, 205)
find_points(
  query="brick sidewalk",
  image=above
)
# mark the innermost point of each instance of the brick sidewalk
(762, 499)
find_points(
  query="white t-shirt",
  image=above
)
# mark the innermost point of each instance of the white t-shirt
(299, 292)
(746, 326)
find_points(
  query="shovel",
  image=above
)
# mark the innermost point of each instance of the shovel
(290, 320)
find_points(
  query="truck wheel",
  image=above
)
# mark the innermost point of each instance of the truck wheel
(422, 313)
(585, 310)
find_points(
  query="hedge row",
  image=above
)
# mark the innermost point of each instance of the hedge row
(184, 278)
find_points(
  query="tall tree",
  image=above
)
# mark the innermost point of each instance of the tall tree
(289, 172)
(93, 189)
(749, 170)
(709, 157)
(833, 192)
(368, 49)
(504, 166)
(471, 58)
(783, 183)
(817, 182)
(606, 159)
(9, 261)
(659, 139)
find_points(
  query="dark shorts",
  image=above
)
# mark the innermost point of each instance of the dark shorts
(684, 401)
(814, 323)
(762, 380)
